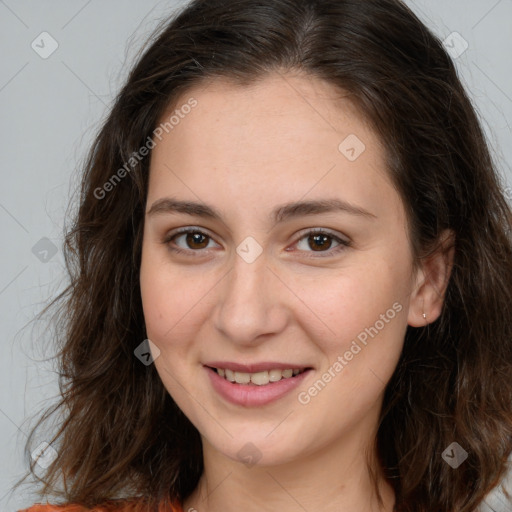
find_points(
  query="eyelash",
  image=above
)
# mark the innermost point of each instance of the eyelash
(343, 244)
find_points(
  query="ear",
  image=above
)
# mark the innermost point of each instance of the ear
(431, 282)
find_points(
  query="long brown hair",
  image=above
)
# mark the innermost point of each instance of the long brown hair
(121, 434)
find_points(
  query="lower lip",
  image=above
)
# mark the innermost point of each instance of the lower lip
(251, 395)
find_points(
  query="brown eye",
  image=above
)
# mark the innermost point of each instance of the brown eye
(196, 240)
(319, 242)
(188, 240)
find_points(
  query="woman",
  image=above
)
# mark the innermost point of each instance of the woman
(290, 275)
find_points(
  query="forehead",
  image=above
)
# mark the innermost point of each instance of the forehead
(281, 137)
(304, 105)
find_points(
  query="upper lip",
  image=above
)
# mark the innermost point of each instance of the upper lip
(255, 367)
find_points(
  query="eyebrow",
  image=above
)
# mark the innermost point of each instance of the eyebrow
(281, 213)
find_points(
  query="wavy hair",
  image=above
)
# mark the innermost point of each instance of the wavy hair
(121, 434)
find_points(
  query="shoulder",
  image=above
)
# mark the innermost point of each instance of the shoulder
(118, 506)
(40, 507)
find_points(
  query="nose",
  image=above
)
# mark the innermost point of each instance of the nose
(251, 303)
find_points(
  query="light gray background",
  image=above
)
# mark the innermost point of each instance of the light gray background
(50, 110)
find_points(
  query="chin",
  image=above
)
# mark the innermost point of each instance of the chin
(254, 447)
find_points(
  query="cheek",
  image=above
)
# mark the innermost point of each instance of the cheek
(170, 306)
(169, 298)
(156, 302)
(365, 310)
(350, 301)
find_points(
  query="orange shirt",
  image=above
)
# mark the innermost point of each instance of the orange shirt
(113, 506)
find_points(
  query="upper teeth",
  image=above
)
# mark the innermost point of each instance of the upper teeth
(259, 378)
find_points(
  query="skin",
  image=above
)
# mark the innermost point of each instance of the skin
(244, 151)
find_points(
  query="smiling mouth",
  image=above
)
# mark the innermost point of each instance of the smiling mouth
(258, 378)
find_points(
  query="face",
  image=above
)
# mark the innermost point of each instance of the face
(296, 258)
